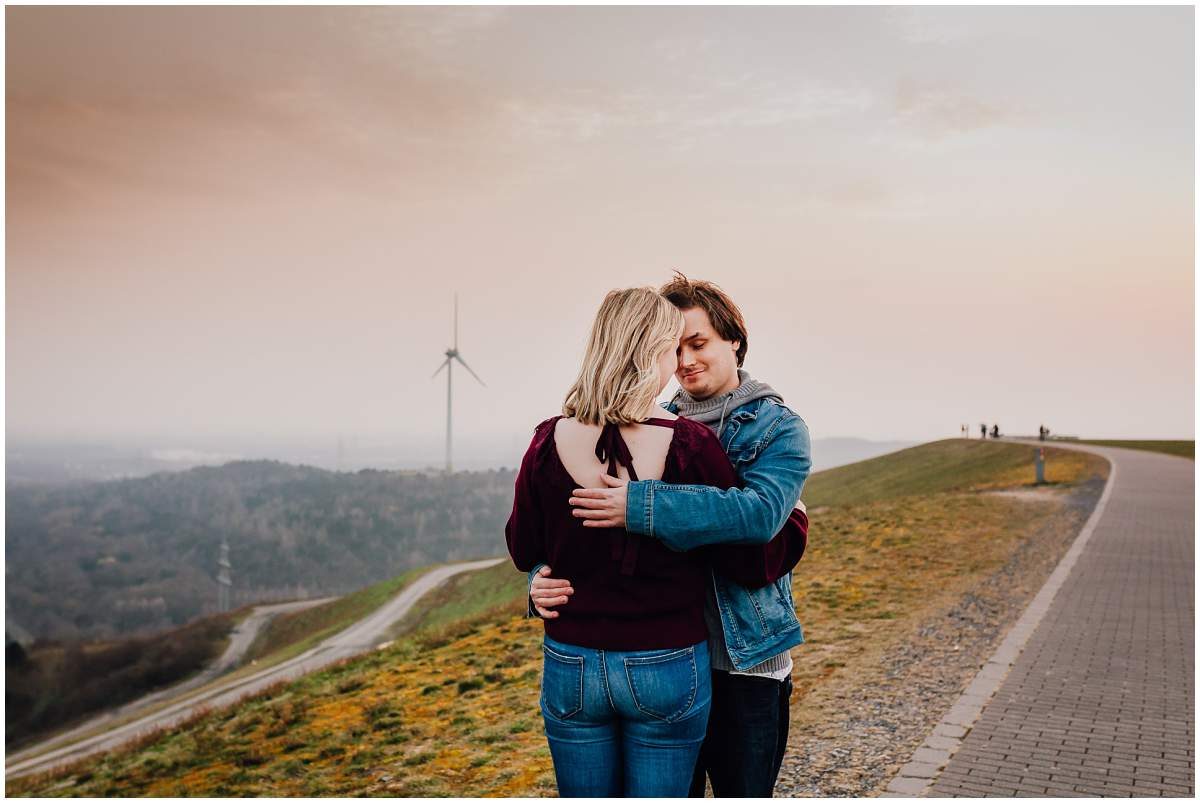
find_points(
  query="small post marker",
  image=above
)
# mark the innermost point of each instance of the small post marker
(1040, 464)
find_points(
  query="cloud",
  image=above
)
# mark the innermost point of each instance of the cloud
(926, 26)
(220, 102)
(779, 106)
(937, 113)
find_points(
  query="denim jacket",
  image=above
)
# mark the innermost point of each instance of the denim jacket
(769, 447)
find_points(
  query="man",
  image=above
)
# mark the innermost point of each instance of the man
(751, 630)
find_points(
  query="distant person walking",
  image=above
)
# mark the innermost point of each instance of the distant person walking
(995, 430)
(983, 431)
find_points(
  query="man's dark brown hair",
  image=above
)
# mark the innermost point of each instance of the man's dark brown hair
(726, 318)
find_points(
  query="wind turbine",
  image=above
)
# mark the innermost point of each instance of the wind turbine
(452, 355)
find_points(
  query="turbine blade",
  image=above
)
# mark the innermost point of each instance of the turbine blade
(472, 373)
(456, 321)
(440, 367)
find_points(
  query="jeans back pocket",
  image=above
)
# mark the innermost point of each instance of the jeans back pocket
(562, 684)
(663, 686)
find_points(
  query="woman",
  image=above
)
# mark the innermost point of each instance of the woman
(626, 681)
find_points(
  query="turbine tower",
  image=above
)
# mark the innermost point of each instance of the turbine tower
(452, 355)
(224, 581)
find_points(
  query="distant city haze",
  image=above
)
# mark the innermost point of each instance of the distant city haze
(229, 224)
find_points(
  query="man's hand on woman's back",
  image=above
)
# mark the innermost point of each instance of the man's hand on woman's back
(547, 592)
(601, 507)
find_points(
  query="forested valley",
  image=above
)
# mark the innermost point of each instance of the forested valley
(140, 555)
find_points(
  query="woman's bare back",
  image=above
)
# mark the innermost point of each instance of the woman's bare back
(576, 446)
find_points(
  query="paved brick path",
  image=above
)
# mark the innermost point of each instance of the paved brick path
(1100, 700)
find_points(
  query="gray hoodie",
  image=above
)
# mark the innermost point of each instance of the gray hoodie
(712, 411)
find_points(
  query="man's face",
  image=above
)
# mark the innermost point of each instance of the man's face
(707, 363)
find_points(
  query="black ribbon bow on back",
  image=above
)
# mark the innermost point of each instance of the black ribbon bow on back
(612, 449)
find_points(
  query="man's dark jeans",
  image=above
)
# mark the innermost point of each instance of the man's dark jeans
(747, 736)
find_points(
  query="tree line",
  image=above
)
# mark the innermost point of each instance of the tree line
(140, 555)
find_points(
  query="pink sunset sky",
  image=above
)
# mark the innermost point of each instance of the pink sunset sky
(232, 220)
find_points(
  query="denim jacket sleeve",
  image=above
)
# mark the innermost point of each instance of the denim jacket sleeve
(530, 611)
(685, 517)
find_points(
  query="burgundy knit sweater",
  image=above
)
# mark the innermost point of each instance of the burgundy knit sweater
(632, 592)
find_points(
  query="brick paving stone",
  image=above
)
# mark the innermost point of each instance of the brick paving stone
(906, 786)
(1121, 790)
(989, 788)
(1037, 788)
(1099, 699)
(919, 769)
(1061, 790)
(927, 755)
(967, 793)
(941, 743)
(1179, 790)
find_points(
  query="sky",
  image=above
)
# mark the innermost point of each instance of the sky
(251, 222)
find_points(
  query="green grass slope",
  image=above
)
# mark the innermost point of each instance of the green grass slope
(930, 468)
(293, 633)
(1178, 448)
(464, 597)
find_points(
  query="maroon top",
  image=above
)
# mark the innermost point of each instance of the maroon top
(631, 591)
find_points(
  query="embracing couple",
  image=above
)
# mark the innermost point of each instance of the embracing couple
(660, 542)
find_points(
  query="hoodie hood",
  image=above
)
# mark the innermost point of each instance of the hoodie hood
(712, 411)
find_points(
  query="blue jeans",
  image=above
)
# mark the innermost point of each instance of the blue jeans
(625, 724)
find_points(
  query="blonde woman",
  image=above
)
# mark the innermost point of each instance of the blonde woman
(626, 683)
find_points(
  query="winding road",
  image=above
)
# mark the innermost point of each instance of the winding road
(240, 639)
(359, 637)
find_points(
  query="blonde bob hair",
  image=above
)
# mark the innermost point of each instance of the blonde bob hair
(619, 378)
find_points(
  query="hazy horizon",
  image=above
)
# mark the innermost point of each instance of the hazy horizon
(47, 461)
(231, 222)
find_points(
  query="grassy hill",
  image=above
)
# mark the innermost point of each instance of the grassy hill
(1178, 448)
(293, 633)
(451, 707)
(51, 685)
(935, 468)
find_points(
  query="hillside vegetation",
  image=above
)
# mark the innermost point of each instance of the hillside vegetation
(140, 555)
(292, 633)
(452, 707)
(164, 659)
(53, 684)
(1178, 448)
